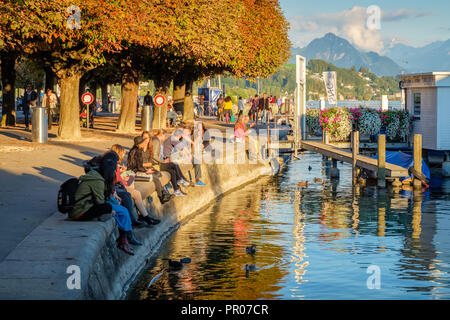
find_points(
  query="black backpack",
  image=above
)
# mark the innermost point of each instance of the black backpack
(66, 195)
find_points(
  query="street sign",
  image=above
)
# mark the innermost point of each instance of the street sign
(159, 100)
(87, 98)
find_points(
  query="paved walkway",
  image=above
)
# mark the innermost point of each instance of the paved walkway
(31, 173)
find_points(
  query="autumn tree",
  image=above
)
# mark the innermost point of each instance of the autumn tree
(74, 34)
(265, 45)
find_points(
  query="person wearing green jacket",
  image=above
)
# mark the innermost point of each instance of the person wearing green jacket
(96, 198)
(90, 200)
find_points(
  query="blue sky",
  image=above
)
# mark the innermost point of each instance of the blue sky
(412, 22)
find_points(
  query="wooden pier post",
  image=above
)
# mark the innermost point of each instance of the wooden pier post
(325, 137)
(355, 152)
(418, 159)
(382, 161)
(334, 171)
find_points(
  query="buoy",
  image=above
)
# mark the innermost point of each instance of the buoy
(317, 180)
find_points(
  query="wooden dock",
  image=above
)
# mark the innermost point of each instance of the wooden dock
(392, 171)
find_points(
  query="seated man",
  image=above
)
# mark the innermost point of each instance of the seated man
(177, 148)
(172, 116)
(135, 163)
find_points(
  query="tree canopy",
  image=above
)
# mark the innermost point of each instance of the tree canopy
(154, 39)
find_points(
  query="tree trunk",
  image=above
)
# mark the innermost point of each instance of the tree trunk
(188, 101)
(49, 79)
(178, 93)
(162, 87)
(69, 121)
(130, 88)
(104, 87)
(8, 61)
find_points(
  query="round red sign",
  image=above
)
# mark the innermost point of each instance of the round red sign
(159, 100)
(87, 98)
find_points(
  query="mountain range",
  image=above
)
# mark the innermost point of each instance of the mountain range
(433, 57)
(397, 59)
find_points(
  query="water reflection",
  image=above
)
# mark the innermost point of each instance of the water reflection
(312, 243)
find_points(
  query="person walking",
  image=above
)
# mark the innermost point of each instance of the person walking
(254, 109)
(219, 104)
(148, 101)
(240, 106)
(263, 107)
(50, 102)
(29, 101)
(227, 109)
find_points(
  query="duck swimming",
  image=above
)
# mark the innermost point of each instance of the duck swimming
(251, 249)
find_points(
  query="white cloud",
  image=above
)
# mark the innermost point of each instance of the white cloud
(349, 24)
(402, 14)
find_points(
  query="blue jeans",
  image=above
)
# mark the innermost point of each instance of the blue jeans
(122, 217)
(264, 116)
(26, 113)
(127, 202)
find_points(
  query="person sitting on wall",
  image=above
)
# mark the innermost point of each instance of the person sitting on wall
(169, 167)
(135, 162)
(125, 187)
(172, 116)
(96, 198)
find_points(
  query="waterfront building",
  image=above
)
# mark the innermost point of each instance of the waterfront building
(427, 98)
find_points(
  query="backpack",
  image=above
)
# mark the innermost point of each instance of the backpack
(66, 195)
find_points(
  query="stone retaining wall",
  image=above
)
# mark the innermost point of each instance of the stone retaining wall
(41, 267)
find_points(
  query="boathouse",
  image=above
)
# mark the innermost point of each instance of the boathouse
(427, 98)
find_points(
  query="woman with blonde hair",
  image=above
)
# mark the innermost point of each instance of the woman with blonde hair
(129, 186)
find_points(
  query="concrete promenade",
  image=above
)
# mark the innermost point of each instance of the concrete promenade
(38, 244)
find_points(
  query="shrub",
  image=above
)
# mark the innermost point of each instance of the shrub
(369, 122)
(337, 123)
(397, 123)
(312, 121)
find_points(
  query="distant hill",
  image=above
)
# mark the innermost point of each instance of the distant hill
(433, 57)
(353, 84)
(341, 53)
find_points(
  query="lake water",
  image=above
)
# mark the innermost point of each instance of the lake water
(312, 243)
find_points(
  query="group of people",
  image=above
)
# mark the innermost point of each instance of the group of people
(262, 108)
(31, 99)
(107, 189)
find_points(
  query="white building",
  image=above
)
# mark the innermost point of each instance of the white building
(427, 98)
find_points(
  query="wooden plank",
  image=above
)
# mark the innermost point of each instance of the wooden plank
(392, 170)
